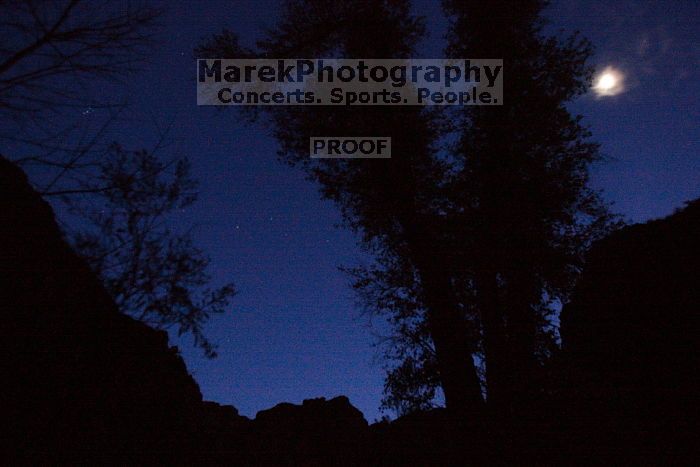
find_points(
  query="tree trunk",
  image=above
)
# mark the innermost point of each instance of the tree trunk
(458, 375)
(522, 329)
(495, 346)
(448, 330)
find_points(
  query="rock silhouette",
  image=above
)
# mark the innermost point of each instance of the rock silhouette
(85, 384)
(630, 343)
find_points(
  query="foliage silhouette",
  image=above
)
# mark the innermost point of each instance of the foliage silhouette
(476, 244)
(54, 54)
(395, 204)
(155, 274)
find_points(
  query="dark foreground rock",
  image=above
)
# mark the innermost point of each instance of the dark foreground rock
(84, 384)
(630, 344)
(81, 380)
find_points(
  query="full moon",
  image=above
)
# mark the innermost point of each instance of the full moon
(609, 82)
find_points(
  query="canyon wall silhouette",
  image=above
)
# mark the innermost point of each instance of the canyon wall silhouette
(630, 344)
(84, 383)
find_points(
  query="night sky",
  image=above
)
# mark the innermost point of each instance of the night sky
(295, 330)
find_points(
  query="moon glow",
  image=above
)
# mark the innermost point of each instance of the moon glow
(608, 82)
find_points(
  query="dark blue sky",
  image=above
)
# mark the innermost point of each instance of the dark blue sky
(295, 331)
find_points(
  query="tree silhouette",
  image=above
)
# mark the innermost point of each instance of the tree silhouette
(527, 211)
(475, 245)
(154, 274)
(394, 204)
(53, 55)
